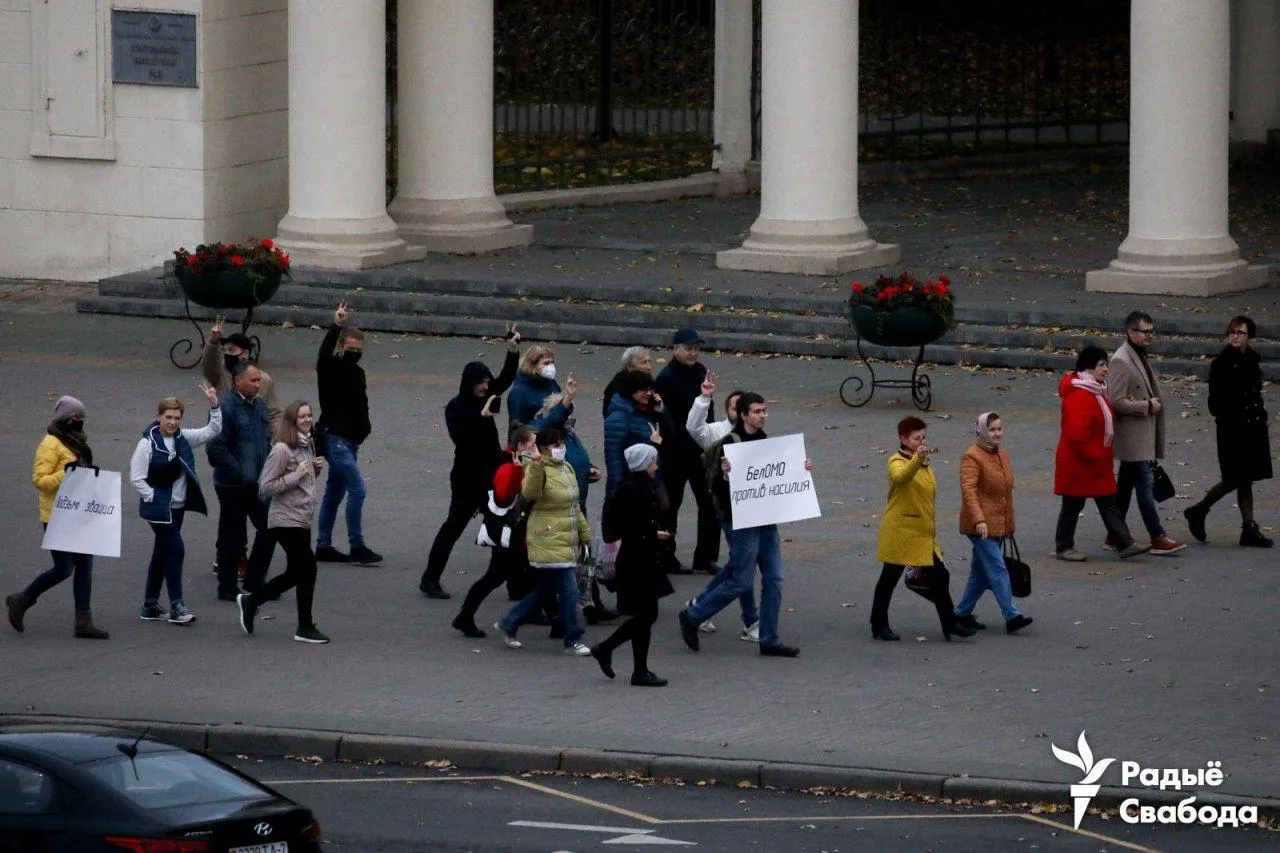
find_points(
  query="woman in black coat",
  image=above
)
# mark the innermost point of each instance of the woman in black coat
(631, 515)
(476, 456)
(1244, 449)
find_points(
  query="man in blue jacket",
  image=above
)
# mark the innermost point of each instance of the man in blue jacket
(237, 456)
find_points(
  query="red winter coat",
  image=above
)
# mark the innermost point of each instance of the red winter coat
(1082, 465)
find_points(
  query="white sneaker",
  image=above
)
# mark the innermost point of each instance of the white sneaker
(751, 634)
(577, 650)
(706, 627)
(509, 639)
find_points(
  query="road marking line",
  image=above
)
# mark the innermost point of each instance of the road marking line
(1097, 836)
(626, 835)
(534, 786)
(380, 779)
(830, 818)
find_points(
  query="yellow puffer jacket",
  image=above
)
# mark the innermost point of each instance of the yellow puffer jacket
(52, 459)
(908, 531)
(557, 529)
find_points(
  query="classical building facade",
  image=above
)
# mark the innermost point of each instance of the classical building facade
(127, 131)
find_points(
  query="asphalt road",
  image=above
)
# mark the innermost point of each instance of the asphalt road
(366, 808)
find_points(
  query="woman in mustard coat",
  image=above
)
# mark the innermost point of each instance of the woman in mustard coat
(908, 534)
(64, 444)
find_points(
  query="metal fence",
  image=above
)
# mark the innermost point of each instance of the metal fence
(953, 77)
(590, 92)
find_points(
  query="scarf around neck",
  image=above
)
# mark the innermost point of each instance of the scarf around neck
(1086, 380)
(76, 441)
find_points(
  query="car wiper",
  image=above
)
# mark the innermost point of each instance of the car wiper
(131, 750)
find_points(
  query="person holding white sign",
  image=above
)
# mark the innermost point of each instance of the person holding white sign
(748, 547)
(909, 535)
(163, 470)
(65, 445)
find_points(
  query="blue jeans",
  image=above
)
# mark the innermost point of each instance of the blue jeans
(563, 583)
(167, 557)
(755, 546)
(987, 572)
(65, 565)
(345, 480)
(750, 613)
(1137, 476)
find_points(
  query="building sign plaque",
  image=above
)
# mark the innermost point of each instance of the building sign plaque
(154, 48)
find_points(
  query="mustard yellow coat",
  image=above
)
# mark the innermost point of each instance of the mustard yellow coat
(908, 531)
(52, 459)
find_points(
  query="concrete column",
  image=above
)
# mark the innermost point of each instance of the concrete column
(337, 137)
(809, 222)
(1255, 69)
(445, 200)
(731, 111)
(1178, 242)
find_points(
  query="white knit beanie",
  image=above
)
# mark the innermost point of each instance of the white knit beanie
(640, 456)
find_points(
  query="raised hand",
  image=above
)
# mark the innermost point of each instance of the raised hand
(342, 313)
(655, 435)
(709, 385)
(216, 332)
(209, 394)
(570, 390)
(513, 337)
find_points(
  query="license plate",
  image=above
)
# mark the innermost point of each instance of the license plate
(274, 847)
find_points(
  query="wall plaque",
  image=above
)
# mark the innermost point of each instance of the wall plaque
(155, 48)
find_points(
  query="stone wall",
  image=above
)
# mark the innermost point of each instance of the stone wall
(99, 179)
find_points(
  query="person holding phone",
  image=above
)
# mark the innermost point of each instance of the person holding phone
(477, 454)
(909, 534)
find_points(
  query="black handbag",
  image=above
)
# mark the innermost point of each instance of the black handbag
(1019, 572)
(1161, 486)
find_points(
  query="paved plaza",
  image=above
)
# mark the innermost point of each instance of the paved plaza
(1169, 661)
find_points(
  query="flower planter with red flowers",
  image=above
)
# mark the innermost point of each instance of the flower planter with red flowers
(231, 275)
(902, 311)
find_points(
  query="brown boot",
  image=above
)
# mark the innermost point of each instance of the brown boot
(85, 629)
(19, 604)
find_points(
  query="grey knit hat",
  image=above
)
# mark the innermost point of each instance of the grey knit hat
(67, 407)
(640, 456)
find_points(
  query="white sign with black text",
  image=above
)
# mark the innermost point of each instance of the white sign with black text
(86, 514)
(768, 483)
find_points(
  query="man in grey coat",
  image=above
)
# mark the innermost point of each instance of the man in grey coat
(1139, 428)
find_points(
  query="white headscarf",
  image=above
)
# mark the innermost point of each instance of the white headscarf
(982, 429)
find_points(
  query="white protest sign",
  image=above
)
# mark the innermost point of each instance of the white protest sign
(86, 514)
(768, 483)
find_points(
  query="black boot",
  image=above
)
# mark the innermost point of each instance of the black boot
(1195, 516)
(1251, 536)
(18, 604)
(467, 625)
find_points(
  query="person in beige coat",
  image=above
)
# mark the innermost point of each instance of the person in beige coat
(1139, 428)
(288, 481)
(221, 354)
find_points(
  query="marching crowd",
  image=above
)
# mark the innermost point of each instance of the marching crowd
(529, 486)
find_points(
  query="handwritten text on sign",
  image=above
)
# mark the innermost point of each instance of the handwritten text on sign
(768, 483)
(86, 514)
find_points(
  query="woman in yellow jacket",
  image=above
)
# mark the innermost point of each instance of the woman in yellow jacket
(64, 445)
(908, 534)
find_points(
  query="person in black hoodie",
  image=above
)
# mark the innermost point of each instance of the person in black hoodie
(476, 456)
(679, 384)
(343, 425)
(632, 515)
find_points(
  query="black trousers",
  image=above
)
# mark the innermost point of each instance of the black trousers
(299, 572)
(674, 477)
(638, 630)
(239, 505)
(1064, 537)
(503, 564)
(940, 594)
(464, 503)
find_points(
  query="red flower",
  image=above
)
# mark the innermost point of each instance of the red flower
(237, 261)
(192, 260)
(944, 280)
(857, 288)
(268, 243)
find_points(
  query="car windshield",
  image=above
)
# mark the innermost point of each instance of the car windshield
(161, 780)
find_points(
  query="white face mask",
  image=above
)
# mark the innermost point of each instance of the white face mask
(557, 453)
(547, 371)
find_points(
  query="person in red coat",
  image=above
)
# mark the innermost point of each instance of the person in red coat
(1083, 464)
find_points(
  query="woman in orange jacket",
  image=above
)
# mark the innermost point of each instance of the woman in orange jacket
(986, 517)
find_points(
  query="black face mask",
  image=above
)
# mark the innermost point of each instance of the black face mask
(352, 356)
(75, 426)
(230, 361)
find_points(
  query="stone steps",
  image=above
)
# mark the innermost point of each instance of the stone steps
(609, 313)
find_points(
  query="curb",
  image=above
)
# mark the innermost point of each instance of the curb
(279, 742)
